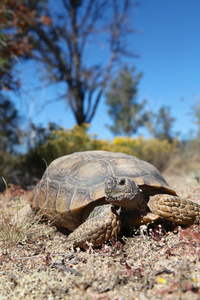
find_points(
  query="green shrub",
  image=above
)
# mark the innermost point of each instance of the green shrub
(8, 164)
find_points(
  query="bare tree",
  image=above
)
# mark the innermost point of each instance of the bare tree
(81, 42)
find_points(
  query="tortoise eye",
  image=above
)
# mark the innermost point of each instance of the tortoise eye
(122, 182)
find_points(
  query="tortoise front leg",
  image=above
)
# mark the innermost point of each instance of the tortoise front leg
(175, 209)
(101, 225)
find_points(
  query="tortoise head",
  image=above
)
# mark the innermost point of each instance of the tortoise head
(124, 192)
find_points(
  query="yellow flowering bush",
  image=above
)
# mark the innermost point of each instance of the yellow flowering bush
(157, 152)
(66, 141)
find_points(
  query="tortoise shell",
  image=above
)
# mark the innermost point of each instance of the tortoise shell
(72, 182)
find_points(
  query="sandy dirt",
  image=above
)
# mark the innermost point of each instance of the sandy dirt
(154, 262)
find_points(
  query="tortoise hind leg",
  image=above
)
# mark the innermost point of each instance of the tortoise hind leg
(101, 225)
(175, 209)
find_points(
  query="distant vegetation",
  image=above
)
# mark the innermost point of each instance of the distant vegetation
(26, 169)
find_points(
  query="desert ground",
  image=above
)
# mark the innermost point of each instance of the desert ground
(158, 261)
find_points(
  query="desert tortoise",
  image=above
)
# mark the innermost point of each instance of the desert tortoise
(95, 193)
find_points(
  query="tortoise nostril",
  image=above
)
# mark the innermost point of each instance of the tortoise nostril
(122, 182)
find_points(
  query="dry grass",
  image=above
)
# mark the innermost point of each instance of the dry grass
(38, 263)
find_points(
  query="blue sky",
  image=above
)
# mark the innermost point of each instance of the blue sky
(168, 44)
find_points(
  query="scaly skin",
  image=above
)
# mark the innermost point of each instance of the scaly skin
(175, 209)
(97, 229)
